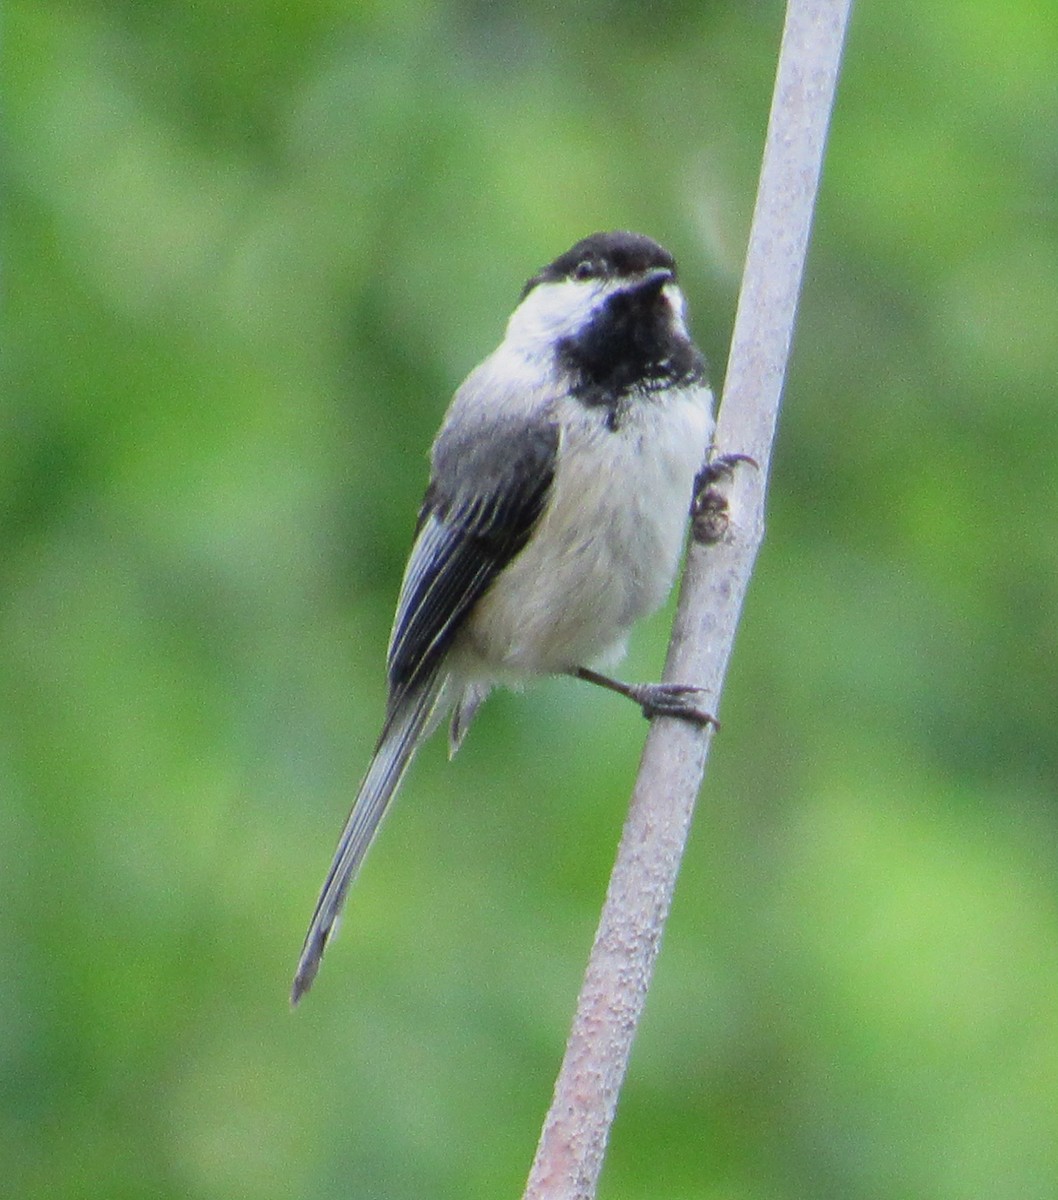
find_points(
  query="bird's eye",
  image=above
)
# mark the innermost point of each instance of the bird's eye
(585, 269)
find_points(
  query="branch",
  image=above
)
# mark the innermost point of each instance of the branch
(569, 1156)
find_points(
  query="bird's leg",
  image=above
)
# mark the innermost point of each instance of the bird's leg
(655, 699)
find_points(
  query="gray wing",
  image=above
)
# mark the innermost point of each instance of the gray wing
(485, 497)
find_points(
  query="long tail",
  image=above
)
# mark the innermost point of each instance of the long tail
(406, 725)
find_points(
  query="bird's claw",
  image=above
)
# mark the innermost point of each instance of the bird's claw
(721, 467)
(673, 700)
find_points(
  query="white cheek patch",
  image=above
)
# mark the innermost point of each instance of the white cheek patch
(552, 312)
(678, 304)
(555, 311)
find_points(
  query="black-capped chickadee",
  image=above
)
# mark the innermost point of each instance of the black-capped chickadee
(554, 519)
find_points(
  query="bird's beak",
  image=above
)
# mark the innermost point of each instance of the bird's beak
(654, 280)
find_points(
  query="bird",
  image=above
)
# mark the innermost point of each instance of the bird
(554, 519)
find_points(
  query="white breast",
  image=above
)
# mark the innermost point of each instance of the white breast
(608, 544)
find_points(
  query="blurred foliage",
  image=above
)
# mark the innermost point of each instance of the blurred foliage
(249, 251)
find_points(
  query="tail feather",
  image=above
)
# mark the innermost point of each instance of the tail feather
(406, 725)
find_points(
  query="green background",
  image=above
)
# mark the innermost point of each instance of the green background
(250, 250)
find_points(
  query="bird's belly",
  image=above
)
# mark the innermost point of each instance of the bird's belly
(605, 552)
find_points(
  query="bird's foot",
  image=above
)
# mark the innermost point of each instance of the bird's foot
(656, 699)
(709, 506)
(682, 700)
